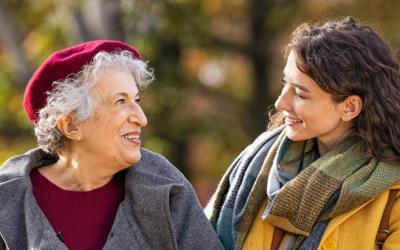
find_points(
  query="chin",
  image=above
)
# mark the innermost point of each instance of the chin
(296, 136)
(133, 159)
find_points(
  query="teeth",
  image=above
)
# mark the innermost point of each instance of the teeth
(294, 120)
(131, 137)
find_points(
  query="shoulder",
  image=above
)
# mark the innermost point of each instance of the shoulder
(21, 165)
(264, 140)
(14, 173)
(269, 135)
(154, 169)
(256, 151)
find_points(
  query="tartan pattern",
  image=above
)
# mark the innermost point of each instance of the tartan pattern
(237, 186)
(255, 198)
(302, 201)
(344, 171)
(317, 190)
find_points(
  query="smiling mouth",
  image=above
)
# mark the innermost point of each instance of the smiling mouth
(133, 138)
(292, 122)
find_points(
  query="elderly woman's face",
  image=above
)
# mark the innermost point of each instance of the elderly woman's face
(113, 133)
(309, 111)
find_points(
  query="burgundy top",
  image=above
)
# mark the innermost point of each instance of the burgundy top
(82, 220)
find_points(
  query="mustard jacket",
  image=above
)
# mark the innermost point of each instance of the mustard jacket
(355, 229)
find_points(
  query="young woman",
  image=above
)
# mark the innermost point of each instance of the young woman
(322, 179)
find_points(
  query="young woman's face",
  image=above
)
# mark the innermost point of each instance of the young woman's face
(309, 111)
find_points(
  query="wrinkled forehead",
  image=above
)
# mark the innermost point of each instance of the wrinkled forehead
(114, 83)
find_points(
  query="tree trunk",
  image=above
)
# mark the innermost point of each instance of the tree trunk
(259, 55)
(12, 37)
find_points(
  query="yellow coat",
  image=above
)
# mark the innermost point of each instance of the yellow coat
(355, 229)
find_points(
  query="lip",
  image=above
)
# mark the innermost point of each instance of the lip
(135, 141)
(291, 121)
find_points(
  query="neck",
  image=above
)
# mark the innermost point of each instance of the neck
(324, 146)
(77, 172)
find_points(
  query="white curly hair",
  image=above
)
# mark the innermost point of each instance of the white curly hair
(71, 95)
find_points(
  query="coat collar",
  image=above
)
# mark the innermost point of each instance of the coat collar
(148, 187)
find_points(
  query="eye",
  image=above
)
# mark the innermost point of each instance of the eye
(120, 101)
(137, 99)
(299, 95)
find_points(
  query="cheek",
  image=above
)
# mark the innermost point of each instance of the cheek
(304, 112)
(318, 116)
(323, 122)
(101, 131)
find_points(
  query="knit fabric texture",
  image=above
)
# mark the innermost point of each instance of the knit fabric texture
(344, 173)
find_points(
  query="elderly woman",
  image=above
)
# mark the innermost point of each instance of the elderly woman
(90, 185)
(328, 177)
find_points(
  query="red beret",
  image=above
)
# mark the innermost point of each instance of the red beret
(61, 64)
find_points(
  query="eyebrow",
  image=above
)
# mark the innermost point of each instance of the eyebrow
(124, 94)
(297, 85)
(301, 87)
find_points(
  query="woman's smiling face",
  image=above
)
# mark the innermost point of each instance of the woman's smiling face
(309, 111)
(113, 133)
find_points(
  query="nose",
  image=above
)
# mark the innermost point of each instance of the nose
(137, 116)
(283, 101)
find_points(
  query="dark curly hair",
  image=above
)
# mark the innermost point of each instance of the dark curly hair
(346, 58)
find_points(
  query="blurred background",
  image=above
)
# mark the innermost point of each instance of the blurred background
(218, 65)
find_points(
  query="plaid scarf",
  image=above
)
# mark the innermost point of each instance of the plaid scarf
(305, 200)
(241, 192)
(301, 202)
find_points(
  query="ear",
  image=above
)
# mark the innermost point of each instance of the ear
(351, 107)
(66, 126)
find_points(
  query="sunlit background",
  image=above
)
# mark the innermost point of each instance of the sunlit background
(218, 65)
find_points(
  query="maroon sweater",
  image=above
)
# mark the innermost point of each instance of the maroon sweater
(82, 220)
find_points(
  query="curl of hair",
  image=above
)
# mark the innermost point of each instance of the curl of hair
(346, 58)
(71, 96)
